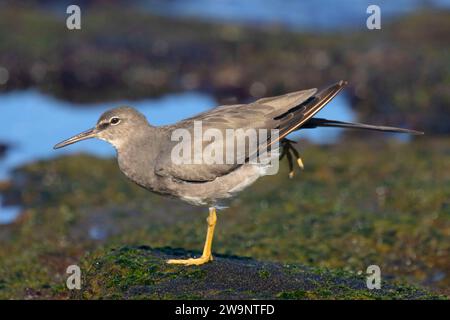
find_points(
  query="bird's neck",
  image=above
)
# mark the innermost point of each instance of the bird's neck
(137, 155)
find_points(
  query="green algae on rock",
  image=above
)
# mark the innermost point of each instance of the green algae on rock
(346, 211)
(142, 273)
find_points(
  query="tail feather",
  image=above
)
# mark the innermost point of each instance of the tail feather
(319, 122)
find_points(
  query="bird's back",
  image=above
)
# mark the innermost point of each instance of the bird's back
(280, 113)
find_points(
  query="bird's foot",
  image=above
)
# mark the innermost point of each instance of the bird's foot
(191, 261)
(290, 152)
(206, 255)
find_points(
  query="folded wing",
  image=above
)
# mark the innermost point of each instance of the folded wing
(286, 113)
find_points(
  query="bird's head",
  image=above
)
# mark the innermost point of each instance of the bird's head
(114, 126)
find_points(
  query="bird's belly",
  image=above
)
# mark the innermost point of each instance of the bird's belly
(223, 187)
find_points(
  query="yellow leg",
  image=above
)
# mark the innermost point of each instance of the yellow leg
(206, 256)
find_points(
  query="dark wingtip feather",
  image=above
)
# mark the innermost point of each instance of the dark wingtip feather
(320, 122)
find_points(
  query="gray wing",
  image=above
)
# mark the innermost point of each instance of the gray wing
(267, 113)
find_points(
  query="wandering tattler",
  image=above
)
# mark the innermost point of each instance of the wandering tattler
(144, 151)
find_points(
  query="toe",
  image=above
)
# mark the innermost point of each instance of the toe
(190, 261)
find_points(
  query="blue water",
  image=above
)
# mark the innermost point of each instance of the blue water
(9, 214)
(311, 15)
(36, 122)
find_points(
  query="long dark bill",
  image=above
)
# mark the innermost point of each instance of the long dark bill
(81, 136)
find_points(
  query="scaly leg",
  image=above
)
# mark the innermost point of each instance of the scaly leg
(206, 256)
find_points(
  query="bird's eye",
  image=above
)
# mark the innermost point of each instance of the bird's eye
(114, 120)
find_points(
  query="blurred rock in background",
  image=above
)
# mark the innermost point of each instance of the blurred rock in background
(398, 75)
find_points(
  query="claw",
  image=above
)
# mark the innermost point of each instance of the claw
(300, 163)
(291, 164)
(297, 155)
(289, 151)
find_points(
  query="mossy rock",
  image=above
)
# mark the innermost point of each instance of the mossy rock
(141, 272)
(345, 211)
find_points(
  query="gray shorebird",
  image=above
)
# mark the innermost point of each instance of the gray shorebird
(144, 151)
